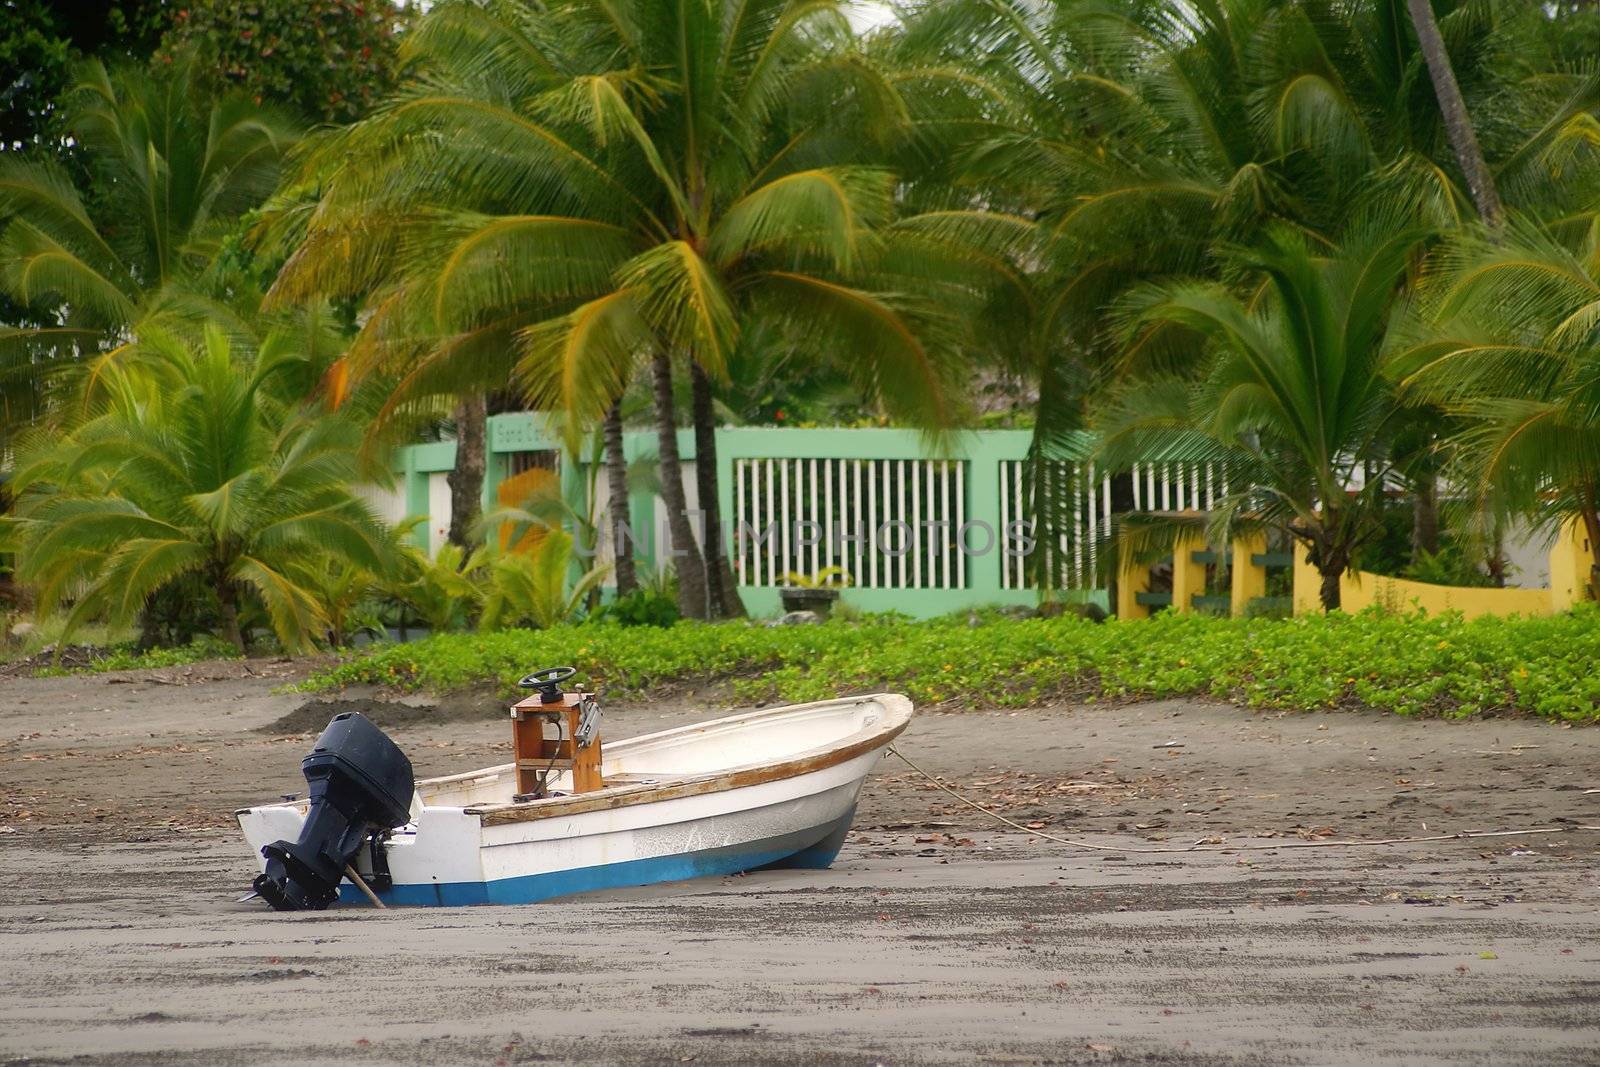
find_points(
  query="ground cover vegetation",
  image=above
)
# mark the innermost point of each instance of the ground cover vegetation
(1409, 664)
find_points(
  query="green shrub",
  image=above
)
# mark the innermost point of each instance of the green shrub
(642, 607)
(1409, 664)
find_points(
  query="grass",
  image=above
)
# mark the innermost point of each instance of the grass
(1408, 664)
(42, 635)
(127, 658)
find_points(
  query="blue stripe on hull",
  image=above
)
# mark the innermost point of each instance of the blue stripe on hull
(814, 848)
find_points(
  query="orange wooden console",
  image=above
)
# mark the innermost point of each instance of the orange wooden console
(543, 742)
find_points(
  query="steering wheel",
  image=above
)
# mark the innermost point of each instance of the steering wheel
(548, 682)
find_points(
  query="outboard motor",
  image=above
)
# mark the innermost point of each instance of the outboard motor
(360, 784)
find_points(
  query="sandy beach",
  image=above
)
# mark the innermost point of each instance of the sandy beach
(937, 937)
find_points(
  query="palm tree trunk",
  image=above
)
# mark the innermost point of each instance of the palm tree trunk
(1457, 123)
(1424, 517)
(1331, 562)
(228, 601)
(722, 586)
(1330, 592)
(619, 514)
(682, 551)
(466, 479)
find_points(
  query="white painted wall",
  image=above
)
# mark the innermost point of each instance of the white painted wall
(388, 503)
(1528, 557)
(438, 510)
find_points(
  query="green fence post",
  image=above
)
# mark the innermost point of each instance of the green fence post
(983, 509)
(417, 506)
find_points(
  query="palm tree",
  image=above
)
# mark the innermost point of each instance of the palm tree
(1291, 407)
(1504, 341)
(171, 170)
(587, 189)
(193, 469)
(1140, 137)
(1463, 138)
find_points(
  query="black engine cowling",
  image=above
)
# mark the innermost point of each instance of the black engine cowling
(360, 783)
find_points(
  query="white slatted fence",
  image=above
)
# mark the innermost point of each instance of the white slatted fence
(887, 523)
(1075, 554)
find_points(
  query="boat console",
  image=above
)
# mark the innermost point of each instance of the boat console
(554, 731)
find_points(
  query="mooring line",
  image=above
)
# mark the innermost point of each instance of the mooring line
(1460, 835)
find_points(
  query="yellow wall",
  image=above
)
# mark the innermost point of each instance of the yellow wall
(1248, 580)
(1570, 561)
(1188, 577)
(1362, 590)
(1132, 579)
(1571, 558)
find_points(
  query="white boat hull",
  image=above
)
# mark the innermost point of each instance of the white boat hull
(724, 813)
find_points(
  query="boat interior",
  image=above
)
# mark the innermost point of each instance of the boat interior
(768, 738)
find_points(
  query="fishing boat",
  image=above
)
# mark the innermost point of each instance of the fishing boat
(775, 787)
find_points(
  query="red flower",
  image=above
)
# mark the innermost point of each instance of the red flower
(780, 415)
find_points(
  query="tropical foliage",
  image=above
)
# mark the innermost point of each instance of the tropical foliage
(532, 588)
(581, 190)
(1347, 254)
(132, 240)
(1507, 343)
(1409, 664)
(1292, 406)
(193, 469)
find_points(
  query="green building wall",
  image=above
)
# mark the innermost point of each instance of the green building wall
(981, 451)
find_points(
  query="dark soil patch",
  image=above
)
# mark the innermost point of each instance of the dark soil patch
(70, 658)
(464, 706)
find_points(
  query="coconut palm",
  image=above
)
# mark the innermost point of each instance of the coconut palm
(1463, 137)
(1505, 341)
(1292, 406)
(171, 170)
(581, 190)
(192, 468)
(1139, 137)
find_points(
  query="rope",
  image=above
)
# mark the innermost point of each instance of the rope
(1458, 836)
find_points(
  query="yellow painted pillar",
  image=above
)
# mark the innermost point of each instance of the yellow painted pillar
(1133, 578)
(1571, 558)
(1188, 577)
(1249, 580)
(1307, 583)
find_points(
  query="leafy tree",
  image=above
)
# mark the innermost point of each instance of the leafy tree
(1292, 404)
(193, 469)
(327, 60)
(585, 189)
(39, 44)
(171, 171)
(442, 590)
(1505, 341)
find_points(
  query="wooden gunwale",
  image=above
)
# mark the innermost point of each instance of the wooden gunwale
(697, 785)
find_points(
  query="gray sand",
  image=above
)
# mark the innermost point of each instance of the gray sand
(936, 937)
